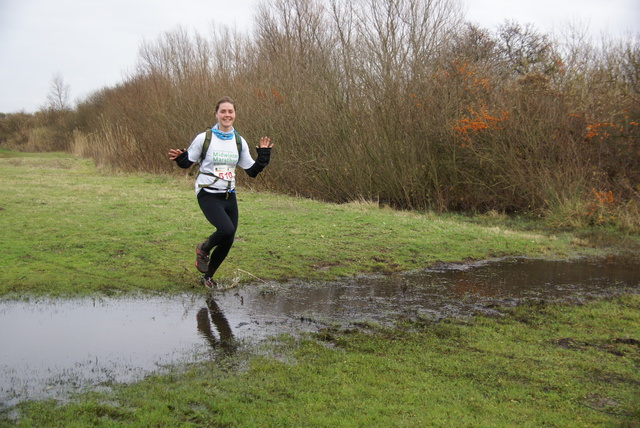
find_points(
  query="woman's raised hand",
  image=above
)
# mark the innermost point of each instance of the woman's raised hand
(265, 143)
(173, 153)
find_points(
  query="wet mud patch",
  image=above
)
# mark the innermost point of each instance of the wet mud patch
(457, 289)
(621, 347)
(51, 347)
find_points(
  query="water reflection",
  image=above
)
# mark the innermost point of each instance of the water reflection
(212, 314)
(52, 347)
(49, 347)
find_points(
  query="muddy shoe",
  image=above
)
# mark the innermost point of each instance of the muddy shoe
(202, 259)
(209, 282)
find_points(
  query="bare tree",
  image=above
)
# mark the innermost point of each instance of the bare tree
(59, 94)
(524, 50)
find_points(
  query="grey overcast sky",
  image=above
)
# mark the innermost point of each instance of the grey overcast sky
(93, 44)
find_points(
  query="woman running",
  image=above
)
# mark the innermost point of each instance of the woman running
(218, 151)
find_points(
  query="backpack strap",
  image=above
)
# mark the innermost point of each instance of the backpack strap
(238, 144)
(205, 145)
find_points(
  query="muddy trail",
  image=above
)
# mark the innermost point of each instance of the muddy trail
(50, 348)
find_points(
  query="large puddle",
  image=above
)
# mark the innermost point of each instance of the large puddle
(49, 348)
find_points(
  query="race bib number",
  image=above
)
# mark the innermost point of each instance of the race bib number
(224, 172)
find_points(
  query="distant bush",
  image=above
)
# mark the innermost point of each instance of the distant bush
(14, 130)
(44, 131)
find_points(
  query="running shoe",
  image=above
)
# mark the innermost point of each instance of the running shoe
(208, 282)
(202, 259)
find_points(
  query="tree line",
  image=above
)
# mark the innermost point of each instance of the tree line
(396, 101)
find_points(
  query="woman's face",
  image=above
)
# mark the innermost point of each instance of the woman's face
(226, 115)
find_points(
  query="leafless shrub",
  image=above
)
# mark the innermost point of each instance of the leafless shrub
(397, 101)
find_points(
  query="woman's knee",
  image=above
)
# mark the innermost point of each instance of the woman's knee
(226, 234)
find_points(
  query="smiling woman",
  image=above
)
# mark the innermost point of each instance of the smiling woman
(218, 156)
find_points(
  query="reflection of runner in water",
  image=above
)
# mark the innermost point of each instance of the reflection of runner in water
(221, 323)
(215, 184)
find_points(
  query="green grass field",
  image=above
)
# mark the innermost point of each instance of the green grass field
(70, 230)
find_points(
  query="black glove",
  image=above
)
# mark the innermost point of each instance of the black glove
(264, 154)
(183, 160)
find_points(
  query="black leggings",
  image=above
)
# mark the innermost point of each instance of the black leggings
(221, 209)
